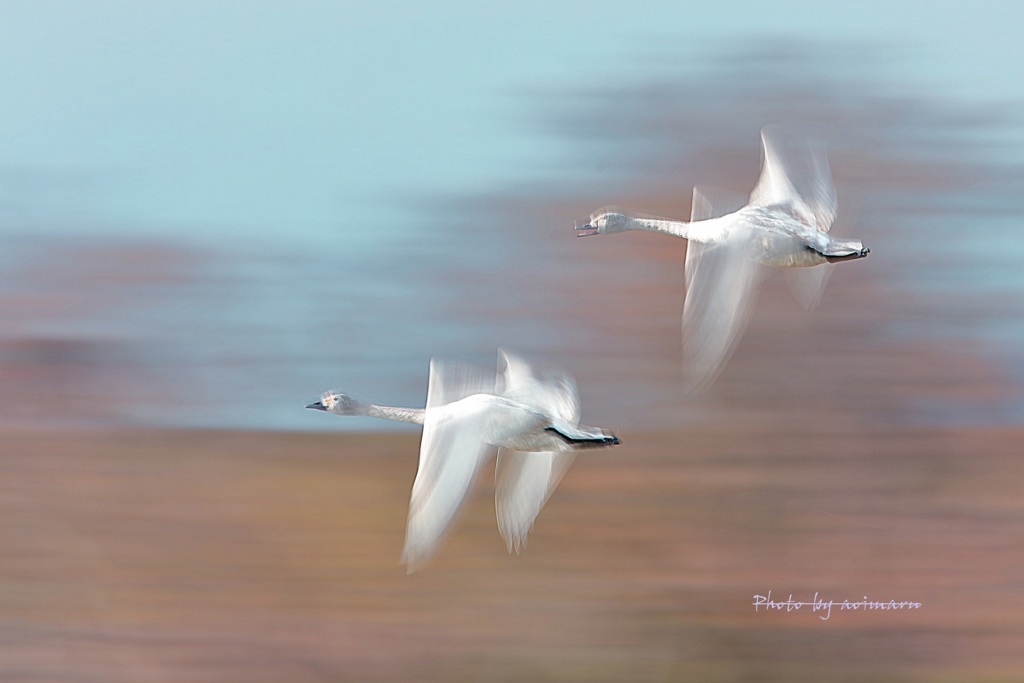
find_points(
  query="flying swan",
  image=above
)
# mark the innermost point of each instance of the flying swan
(784, 224)
(533, 419)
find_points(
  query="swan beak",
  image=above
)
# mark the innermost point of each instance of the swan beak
(586, 230)
(317, 406)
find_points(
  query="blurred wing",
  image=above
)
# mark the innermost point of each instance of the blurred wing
(720, 290)
(710, 201)
(808, 284)
(523, 483)
(550, 391)
(796, 169)
(451, 453)
(452, 381)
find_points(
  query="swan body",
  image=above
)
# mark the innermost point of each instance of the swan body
(779, 235)
(533, 420)
(784, 224)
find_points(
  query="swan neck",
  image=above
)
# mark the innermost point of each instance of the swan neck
(677, 228)
(394, 413)
(711, 230)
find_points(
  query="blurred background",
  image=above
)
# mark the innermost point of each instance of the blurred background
(212, 212)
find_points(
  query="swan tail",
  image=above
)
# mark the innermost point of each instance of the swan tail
(841, 250)
(583, 437)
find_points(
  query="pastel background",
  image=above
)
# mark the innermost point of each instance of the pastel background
(211, 212)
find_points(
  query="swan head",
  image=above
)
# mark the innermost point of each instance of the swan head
(334, 401)
(603, 221)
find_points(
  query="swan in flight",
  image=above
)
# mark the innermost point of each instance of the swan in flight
(785, 223)
(533, 420)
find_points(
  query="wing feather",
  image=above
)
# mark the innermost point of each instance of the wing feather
(551, 391)
(523, 484)
(796, 170)
(720, 291)
(525, 481)
(452, 451)
(711, 201)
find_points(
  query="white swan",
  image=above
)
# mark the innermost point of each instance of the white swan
(533, 419)
(785, 224)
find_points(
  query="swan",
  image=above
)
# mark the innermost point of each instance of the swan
(533, 420)
(784, 224)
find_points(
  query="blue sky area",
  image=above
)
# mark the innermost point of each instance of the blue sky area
(197, 118)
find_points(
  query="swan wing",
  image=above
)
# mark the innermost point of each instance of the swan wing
(720, 290)
(523, 484)
(711, 201)
(452, 381)
(808, 284)
(452, 451)
(550, 391)
(796, 170)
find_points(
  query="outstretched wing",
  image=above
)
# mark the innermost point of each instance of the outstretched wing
(452, 381)
(720, 290)
(809, 283)
(451, 453)
(525, 481)
(711, 201)
(551, 391)
(523, 484)
(796, 170)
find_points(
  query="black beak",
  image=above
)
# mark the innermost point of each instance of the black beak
(317, 406)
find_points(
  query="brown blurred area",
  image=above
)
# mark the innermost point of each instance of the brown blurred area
(191, 555)
(218, 556)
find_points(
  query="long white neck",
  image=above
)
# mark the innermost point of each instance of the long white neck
(394, 413)
(711, 230)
